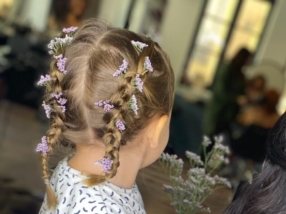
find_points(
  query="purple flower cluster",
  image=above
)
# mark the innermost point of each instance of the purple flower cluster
(57, 95)
(60, 100)
(56, 43)
(44, 80)
(61, 63)
(70, 30)
(138, 45)
(122, 68)
(138, 83)
(148, 65)
(133, 104)
(48, 109)
(105, 104)
(106, 163)
(43, 146)
(120, 125)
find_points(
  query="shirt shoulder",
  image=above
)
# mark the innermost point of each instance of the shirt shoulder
(75, 197)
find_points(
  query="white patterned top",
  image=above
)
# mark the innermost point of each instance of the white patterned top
(76, 198)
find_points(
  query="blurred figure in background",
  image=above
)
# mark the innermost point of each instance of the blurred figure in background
(256, 122)
(254, 91)
(228, 85)
(66, 13)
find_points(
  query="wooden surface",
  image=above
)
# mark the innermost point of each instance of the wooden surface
(18, 160)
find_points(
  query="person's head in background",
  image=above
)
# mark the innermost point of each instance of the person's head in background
(255, 88)
(242, 58)
(132, 119)
(68, 12)
(267, 192)
(270, 101)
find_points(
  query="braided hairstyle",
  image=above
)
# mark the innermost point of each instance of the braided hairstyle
(95, 53)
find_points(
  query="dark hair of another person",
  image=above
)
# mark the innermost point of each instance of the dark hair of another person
(242, 57)
(267, 192)
(270, 100)
(61, 9)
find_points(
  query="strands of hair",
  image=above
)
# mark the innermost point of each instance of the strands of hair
(95, 53)
(267, 192)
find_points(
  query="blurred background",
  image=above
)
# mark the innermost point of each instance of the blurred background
(229, 59)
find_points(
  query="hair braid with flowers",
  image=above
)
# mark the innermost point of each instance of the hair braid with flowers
(54, 105)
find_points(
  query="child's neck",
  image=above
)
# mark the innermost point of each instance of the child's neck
(130, 163)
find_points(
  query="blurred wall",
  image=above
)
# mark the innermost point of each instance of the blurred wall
(273, 45)
(115, 12)
(177, 31)
(35, 13)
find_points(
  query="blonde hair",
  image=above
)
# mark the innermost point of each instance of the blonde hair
(95, 53)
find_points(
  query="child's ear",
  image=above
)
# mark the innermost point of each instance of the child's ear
(155, 130)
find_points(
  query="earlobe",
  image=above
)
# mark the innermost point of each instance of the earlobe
(158, 128)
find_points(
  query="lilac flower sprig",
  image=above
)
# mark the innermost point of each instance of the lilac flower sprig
(122, 68)
(70, 30)
(48, 109)
(57, 43)
(120, 125)
(44, 80)
(147, 65)
(138, 45)
(138, 83)
(106, 164)
(188, 194)
(61, 63)
(43, 146)
(105, 103)
(61, 101)
(132, 104)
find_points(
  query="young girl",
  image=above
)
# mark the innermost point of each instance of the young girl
(267, 192)
(109, 93)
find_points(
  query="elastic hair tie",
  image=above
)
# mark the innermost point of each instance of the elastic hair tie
(46, 181)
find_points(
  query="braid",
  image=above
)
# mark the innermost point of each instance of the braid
(113, 137)
(56, 127)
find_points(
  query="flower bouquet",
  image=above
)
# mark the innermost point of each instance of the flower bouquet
(189, 190)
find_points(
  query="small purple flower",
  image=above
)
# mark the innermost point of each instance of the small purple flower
(105, 104)
(70, 29)
(122, 68)
(120, 125)
(63, 109)
(138, 45)
(56, 43)
(44, 80)
(99, 103)
(57, 95)
(147, 64)
(43, 146)
(62, 101)
(138, 83)
(61, 63)
(133, 104)
(106, 163)
(48, 109)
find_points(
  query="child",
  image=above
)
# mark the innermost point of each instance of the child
(109, 93)
(266, 194)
